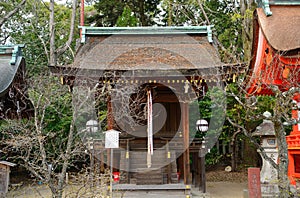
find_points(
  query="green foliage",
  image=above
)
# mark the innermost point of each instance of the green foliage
(54, 112)
(6, 7)
(102, 116)
(3, 136)
(179, 13)
(213, 157)
(233, 107)
(109, 12)
(31, 27)
(248, 117)
(265, 103)
(228, 26)
(127, 19)
(225, 15)
(51, 123)
(235, 111)
(212, 108)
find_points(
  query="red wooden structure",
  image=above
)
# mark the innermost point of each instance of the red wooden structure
(293, 141)
(276, 61)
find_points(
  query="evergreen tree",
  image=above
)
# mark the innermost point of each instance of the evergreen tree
(110, 10)
(127, 19)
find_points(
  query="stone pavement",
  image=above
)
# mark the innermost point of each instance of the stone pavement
(214, 190)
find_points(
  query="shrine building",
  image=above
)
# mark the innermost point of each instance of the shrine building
(159, 72)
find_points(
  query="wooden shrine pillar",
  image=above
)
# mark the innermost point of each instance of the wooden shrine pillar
(186, 135)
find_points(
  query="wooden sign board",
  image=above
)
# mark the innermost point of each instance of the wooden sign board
(254, 187)
(112, 139)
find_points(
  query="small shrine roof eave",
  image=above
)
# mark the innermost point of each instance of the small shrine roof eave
(10, 60)
(145, 52)
(150, 30)
(284, 2)
(266, 4)
(224, 70)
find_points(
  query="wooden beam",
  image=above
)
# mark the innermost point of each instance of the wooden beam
(127, 161)
(186, 153)
(203, 175)
(169, 162)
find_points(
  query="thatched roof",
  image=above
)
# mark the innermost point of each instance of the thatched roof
(282, 28)
(142, 49)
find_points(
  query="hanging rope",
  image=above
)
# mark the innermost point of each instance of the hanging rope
(149, 128)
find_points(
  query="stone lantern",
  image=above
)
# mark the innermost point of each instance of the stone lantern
(268, 174)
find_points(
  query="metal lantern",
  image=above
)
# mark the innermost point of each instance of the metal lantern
(92, 126)
(201, 125)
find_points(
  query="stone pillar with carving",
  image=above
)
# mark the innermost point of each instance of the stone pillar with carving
(268, 174)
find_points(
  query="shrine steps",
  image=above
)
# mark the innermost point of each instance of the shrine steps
(136, 166)
(153, 191)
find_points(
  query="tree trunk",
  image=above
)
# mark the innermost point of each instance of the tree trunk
(67, 156)
(246, 29)
(234, 150)
(170, 11)
(54, 51)
(142, 13)
(284, 184)
(52, 58)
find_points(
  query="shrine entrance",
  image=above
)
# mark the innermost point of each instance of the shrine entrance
(169, 162)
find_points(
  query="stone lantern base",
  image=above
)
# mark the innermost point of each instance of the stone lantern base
(269, 190)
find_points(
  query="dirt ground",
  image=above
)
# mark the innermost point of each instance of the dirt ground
(214, 190)
(220, 184)
(226, 190)
(220, 175)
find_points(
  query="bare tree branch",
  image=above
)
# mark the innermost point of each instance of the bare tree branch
(248, 134)
(11, 13)
(203, 11)
(53, 56)
(67, 45)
